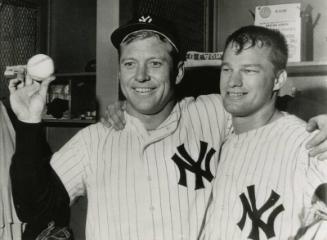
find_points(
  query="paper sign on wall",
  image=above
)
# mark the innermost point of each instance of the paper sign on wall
(287, 19)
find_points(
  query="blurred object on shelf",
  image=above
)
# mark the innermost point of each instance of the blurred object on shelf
(88, 115)
(71, 97)
(58, 101)
(12, 71)
(91, 66)
(307, 35)
(57, 107)
(200, 59)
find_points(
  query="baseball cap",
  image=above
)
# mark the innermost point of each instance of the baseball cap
(149, 22)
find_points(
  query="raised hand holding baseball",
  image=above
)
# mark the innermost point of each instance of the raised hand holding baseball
(28, 98)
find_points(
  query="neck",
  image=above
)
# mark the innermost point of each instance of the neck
(255, 120)
(153, 120)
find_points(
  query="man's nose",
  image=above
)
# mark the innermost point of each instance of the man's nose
(142, 74)
(235, 79)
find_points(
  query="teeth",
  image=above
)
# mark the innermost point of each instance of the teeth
(142, 90)
(235, 94)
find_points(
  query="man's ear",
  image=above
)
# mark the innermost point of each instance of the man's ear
(180, 72)
(280, 80)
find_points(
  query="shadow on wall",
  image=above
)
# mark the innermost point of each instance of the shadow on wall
(307, 103)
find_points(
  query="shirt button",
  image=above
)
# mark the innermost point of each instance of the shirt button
(149, 179)
(152, 208)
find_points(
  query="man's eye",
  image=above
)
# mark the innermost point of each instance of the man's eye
(250, 71)
(225, 69)
(155, 63)
(128, 64)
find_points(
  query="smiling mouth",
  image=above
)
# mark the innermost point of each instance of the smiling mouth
(143, 90)
(236, 94)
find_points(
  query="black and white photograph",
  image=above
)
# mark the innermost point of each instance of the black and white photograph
(163, 119)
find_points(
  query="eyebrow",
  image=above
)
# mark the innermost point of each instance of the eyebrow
(244, 65)
(148, 59)
(253, 65)
(124, 59)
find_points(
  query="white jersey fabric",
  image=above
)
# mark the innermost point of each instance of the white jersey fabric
(10, 226)
(265, 184)
(146, 185)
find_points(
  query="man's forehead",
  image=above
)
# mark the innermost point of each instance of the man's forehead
(152, 40)
(145, 33)
(150, 47)
(248, 57)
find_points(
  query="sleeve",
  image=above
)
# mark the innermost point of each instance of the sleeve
(315, 189)
(38, 194)
(316, 175)
(215, 108)
(71, 163)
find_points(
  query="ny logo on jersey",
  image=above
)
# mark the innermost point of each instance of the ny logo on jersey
(250, 209)
(185, 162)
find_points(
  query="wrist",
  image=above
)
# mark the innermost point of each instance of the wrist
(31, 119)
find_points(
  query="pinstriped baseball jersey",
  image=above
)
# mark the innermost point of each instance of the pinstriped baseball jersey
(265, 183)
(146, 185)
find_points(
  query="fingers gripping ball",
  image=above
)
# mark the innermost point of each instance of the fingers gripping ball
(40, 67)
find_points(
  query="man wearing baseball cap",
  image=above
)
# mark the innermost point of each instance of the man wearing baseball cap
(151, 180)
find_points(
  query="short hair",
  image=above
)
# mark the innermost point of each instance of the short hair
(143, 34)
(261, 37)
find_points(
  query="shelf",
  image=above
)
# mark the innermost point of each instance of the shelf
(87, 121)
(293, 68)
(307, 68)
(75, 74)
(68, 122)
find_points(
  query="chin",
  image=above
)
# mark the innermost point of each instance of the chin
(146, 110)
(236, 112)
(232, 108)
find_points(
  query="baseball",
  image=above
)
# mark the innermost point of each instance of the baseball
(40, 67)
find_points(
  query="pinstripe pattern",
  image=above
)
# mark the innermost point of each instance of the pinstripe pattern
(272, 157)
(132, 182)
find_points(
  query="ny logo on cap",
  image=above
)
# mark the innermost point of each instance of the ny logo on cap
(147, 19)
